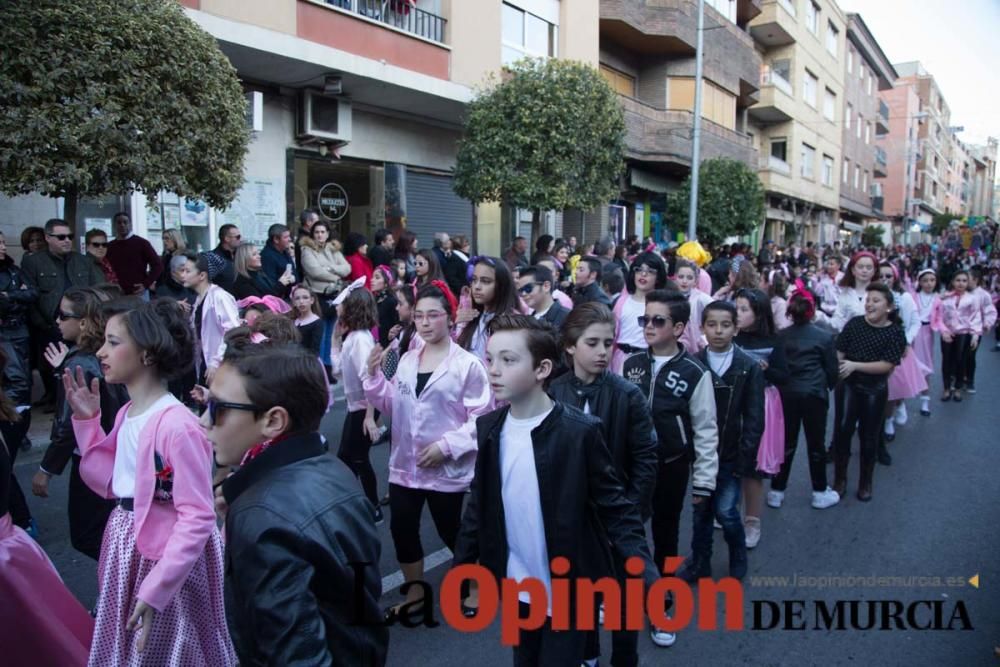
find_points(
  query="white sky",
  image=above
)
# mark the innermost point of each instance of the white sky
(958, 42)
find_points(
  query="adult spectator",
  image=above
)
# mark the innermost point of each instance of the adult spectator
(534, 286)
(604, 250)
(441, 240)
(96, 244)
(543, 248)
(461, 246)
(381, 251)
(133, 258)
(325, 269)
(252, 280)
(516, 256)
(356, 254)
(171, 285)
(612, 282)
(307, 218)
(32, 240)
(277, 259)
(571, 242)
(588, 282)
(52, 272)
(766, 255)
(453, 266)
(173, 244)
(16, 297)
(229, 240)
(406, 250)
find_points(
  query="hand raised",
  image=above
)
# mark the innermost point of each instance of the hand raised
(55, 354)
(85, 401)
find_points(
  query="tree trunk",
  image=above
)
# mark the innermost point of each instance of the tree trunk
(536, 229)
(70, 200)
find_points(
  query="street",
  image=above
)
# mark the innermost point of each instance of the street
(927, 528)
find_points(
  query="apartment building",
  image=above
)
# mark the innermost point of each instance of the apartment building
(901, 145)
(867, 72)
(982, 188)
(797, 122)
(647, 53)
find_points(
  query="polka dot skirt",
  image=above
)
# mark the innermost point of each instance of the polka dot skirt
(190, 632)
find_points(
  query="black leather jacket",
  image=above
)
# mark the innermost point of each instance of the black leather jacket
(297, 521)
(812, 361)
(16, 378)
(626, 425)
(584, 507)
(739, 411)
(591, 292)
(16, 296)
(51, 275)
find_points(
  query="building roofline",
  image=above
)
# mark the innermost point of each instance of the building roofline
(855, 22)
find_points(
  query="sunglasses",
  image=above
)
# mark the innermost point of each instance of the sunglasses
(214, 407)
(67, 316)
(658, 321)
(99, 244)
(61, 237)
(527, 289)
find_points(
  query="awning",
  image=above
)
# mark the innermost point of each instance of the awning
(851, 226)
(647, 180)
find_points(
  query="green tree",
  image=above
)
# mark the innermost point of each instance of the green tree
(871, 236)
(941, 222)
(548, 135)
(107, 96)
(730, 201)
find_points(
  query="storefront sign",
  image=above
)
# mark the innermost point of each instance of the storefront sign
(332, 201)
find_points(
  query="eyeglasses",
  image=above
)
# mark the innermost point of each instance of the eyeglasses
(237, 237)
(645, 271)
(658, 321)
(99, 244)
(67, 316)
(215, 406)
(527, 289)
(431, 316)
(61, 237)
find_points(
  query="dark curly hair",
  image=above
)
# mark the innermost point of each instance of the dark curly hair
(278, 329)
(159, 328)
(359, 311)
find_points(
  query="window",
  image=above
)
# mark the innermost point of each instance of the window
(525, 35)
(868, 133)
(828, 171)
(808, 157)
(830, 105)
(861, 121)
(857, 177)
(717, 105)
(850, 112)
(725, 7)
(864, 183)
(812, 17)
(622, 83)
(832, 36)
(779, 149)
(809, 85)
(861, 71)
(869, 83)
(850, 60)
(846, 176)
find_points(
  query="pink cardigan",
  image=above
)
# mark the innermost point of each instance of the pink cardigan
(457, 392)
(172, 533)
(958, 315)
(219, 314)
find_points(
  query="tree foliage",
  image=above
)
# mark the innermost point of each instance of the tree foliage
(871, 236)
(730, 201)
(941, 222)
(106, 96)
(549, 135)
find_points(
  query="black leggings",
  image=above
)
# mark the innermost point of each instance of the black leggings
(668, 501)
(970, 363)
(354, 448)
(809, 412)
(954, 360)
(406, 506)
(88, 514)
(13, 435)
(862, 407)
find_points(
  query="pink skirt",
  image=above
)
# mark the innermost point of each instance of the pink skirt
(191, 630)
(923, 348)
(41, 623)
(771, 454)
(909, 378)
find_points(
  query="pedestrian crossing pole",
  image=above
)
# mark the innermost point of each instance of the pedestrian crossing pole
(696, 133)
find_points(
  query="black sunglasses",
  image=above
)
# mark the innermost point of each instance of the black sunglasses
(215, 406)
(99, 244)
(528, 288)
(658, 321)
(61, 237)
(67, 316)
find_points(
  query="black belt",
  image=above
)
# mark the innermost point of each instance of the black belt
(630, 349)
(127, 504)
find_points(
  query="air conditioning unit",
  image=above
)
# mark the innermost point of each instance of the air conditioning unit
(323, 119)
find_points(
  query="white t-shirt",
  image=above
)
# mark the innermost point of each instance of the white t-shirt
(720, 361)
(629, 331)
(658, 363)
(127, 450)
(528, 553)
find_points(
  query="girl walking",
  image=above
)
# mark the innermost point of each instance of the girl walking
(959, 320)
(305, 310)
(923, 345)
(909, 378)
(687, 280)
(648, 272)
(381, 285)
(214, 312)
(160, 572)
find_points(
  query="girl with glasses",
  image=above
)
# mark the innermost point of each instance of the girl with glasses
(434, 398)
(647, 273)
(160, 569)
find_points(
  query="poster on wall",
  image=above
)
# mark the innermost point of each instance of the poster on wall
(258, 205)
(195, 213)
(104, 224)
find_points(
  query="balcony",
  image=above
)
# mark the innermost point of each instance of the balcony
(775, 102)
(776, 25)
(664, 136)
(878, 204)
(882, 119)
(402, 15)
(881, 163)
(775, 164)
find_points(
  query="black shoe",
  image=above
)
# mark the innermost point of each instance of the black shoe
(695, 568)
(957, 395)
(889, 437)
(926, 412)
(883, 455)
(738, 562)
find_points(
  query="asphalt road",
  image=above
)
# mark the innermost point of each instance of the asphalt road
(931, 527)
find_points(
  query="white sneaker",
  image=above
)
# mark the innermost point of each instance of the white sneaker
(775, 498)
(751, 526)
(823, 499)
(900, 416)
(890, 427)
(716, 524)
(661, 638)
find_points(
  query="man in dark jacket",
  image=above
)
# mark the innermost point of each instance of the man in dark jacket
(16, 298)
(588, 282)
(17, 386)
(277, 256)
(302, 578)
(739, 408)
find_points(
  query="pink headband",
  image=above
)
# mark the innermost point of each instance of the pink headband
(272, 303)
(861, 254)
(390, 279)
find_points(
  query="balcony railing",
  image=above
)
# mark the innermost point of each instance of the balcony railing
(775, 164)
(880, 156)
(400, 14)
(770, 77)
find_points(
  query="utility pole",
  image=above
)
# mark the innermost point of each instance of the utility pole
(696, 134)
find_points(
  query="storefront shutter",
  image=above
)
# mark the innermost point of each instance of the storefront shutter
(432, 206)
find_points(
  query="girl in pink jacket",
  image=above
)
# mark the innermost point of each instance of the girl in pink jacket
(214, 312)
(160, 574)
(959, 320)
(434, 399)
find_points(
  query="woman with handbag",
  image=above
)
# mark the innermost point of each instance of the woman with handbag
(324, 269)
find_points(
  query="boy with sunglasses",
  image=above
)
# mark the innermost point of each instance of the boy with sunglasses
(534, 286)
(681, 398)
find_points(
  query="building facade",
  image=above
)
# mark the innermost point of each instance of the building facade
(796, 123)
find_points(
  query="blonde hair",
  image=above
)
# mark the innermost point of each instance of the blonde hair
(178, 239)
(242, 256)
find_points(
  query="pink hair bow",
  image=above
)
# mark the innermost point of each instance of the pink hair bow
(272, 303)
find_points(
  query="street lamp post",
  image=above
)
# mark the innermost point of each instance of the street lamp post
(696, 134)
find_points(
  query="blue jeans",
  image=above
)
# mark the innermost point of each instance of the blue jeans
(723, 507)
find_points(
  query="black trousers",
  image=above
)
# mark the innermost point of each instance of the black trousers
(954, 360)
(862, 407)
(668, 501)
(624, 643)
(354, 451)
(970, 363)
(809, 413)
(546, 647)
(88, 514)
(406, 506)
(13, 434)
